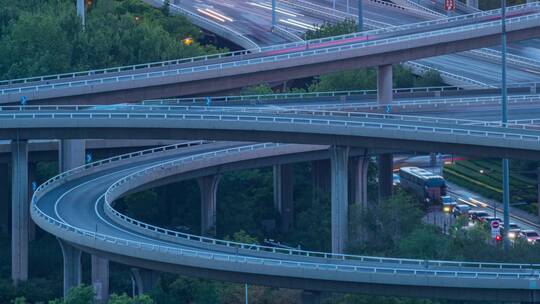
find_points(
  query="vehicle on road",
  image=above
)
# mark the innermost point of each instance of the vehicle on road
(490, 219)
(449, 203)
(428, 186)
(478, 215)
(530, 235)
(461, 209)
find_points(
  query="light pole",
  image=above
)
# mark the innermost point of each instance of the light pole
(273, 14)
(80, 12)
(506, 178)
(360, 16)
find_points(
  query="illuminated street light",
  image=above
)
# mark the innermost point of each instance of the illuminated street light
(187, 41)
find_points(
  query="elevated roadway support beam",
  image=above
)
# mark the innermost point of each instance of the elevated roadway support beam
(283, 195)
(100, 278)
(145, 280)
(72, 266)
(72, 154)
(358, 174)
(339, 157)
(208, 186)
(31, 179)
(386, 165)
(4, 198)
(384, 96)
(320, 170)
(19, 211)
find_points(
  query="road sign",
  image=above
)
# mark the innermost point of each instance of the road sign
(449, 5)
(495, 229)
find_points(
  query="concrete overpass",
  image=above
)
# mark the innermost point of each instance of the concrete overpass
(284, 63)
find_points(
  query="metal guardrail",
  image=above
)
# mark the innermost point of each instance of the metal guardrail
(175, 111)
(272, 58)
(263, 49)
(60, 179)
(114, 191)
(348, 119)
(444, 74)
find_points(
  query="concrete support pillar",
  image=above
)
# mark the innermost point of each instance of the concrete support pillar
(100, 278)
(31, 179)
(472, 3)
(386, 179)
(358, 170)
(208, 186)
(340, 205)
(19, 211)
(538, 191)
(72, 265)
(433, 160)
(145, 280)
(72, 154)
(384, 96)
(4, 198)
(311, 297)
(283, 195)
(320, 170)
(384, 84)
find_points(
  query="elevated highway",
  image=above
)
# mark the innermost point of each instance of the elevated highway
(94, 186)
(280, 63)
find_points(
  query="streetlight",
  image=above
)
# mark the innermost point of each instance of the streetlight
(360, 16)
(506, 178)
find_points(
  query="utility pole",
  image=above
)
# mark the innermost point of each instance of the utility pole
(81, 11)
(360, 16)
(504, 93)
(273, 14)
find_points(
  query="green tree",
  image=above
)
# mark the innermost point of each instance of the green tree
(82, 294)
(166, 7)
(125, 299)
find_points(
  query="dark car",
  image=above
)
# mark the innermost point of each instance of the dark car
(477, 215)
(461, 209)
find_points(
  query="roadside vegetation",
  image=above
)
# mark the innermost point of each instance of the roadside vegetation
(484, 176)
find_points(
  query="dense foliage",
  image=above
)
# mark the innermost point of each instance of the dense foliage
(45, 37)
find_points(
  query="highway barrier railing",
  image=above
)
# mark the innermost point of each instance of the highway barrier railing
(115, 191)
(272, 58)
(263, 49)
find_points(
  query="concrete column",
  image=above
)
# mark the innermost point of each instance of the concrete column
(311, 297)
(320, 170)
(340, 205)
(208, 186)
(386, 179)
(144, 279)
(72, 265)
(19, 211)
(384, 96)
(72, 153)
(384, 84)
(538, 191)
(4, 198)
(283, 195)
(358, 169)
(472, 3)
(100, 278)
(433, 160)
(31, 178)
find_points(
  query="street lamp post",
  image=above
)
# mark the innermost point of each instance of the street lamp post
(506, 178)
(273, 14)
(80, 12)
(360, 16)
